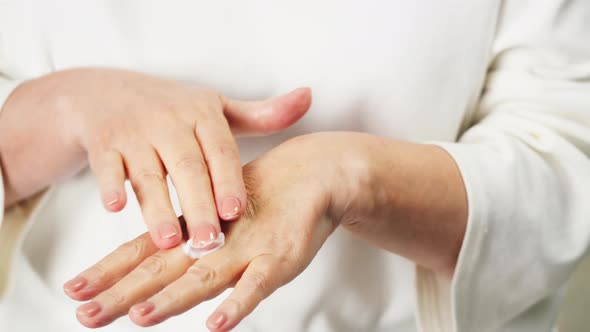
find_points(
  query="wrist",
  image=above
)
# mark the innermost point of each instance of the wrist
(407, 198)
(63, 92)
(353, 175)
(68, 95)
(36, 144)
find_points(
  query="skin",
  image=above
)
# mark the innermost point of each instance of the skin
(127, 125)
(403, 197)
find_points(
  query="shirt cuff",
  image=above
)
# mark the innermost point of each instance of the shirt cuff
(1, 197)
(437, 308)
(479, 297)
(6, 89)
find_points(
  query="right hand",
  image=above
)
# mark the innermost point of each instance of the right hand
(140, 127)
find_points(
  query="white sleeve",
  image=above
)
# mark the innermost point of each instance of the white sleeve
(6, 88)
(526, 168)
(1, 196)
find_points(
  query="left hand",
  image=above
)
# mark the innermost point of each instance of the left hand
(299, 193)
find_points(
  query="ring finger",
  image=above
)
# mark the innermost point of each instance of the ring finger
(148, 278)
(148, 180)
(204, 280)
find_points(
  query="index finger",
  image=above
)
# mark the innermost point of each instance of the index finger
(146, 279)
(110, 269)
(204, 280)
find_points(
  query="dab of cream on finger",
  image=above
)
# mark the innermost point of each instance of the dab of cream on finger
(200, 249)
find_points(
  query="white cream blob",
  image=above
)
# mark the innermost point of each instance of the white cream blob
(203, 248)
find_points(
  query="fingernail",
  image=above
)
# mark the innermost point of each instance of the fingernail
(230, 207)
(144, 308)
(167, 231)
(90, 309)
(217, 320)
(111, 198)
(75, 284)
(204, 233)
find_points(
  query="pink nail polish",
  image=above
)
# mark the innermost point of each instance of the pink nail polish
(111, 199)
(217, 320)
(203, 234)
(75, 284)
(167, 231)
(90, 309)
(230, 208)
(144, 308)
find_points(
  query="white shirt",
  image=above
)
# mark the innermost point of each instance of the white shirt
(406, 70)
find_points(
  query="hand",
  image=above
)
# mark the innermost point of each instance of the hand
(283, 228)
(386, 191)
(142, 128)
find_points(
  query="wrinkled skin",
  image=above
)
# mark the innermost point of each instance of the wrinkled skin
(298, 194)
(128, 125)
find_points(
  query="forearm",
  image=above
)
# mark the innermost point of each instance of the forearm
(411, 201)
(36, 148)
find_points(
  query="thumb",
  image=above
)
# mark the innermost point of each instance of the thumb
(267, 116)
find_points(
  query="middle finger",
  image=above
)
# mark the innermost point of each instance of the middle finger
(146, 279)
(204, 280)
(183, 159)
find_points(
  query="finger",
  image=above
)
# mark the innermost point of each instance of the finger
(185, 163)
(204, 280)
(148, 179)
(108, 167)
(147, 279)
(269, 116)
(110, 269)
(261, 278)
(223, 160)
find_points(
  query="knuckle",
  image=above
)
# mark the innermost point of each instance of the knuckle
(143, 180)
(154, 215)
(147, 176)
(258, 281)
(225, 151)
(104, 136)
(133, 250)
(115, 295)
(169, 109)
(235, 304)
(189, 162)
(204, 115)
(279, 245)
(98, 272)
(283, 247)
(203, 274)
(169, 296)
(154, 266)
(290, 246)
(168, 122)
(204, 208)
